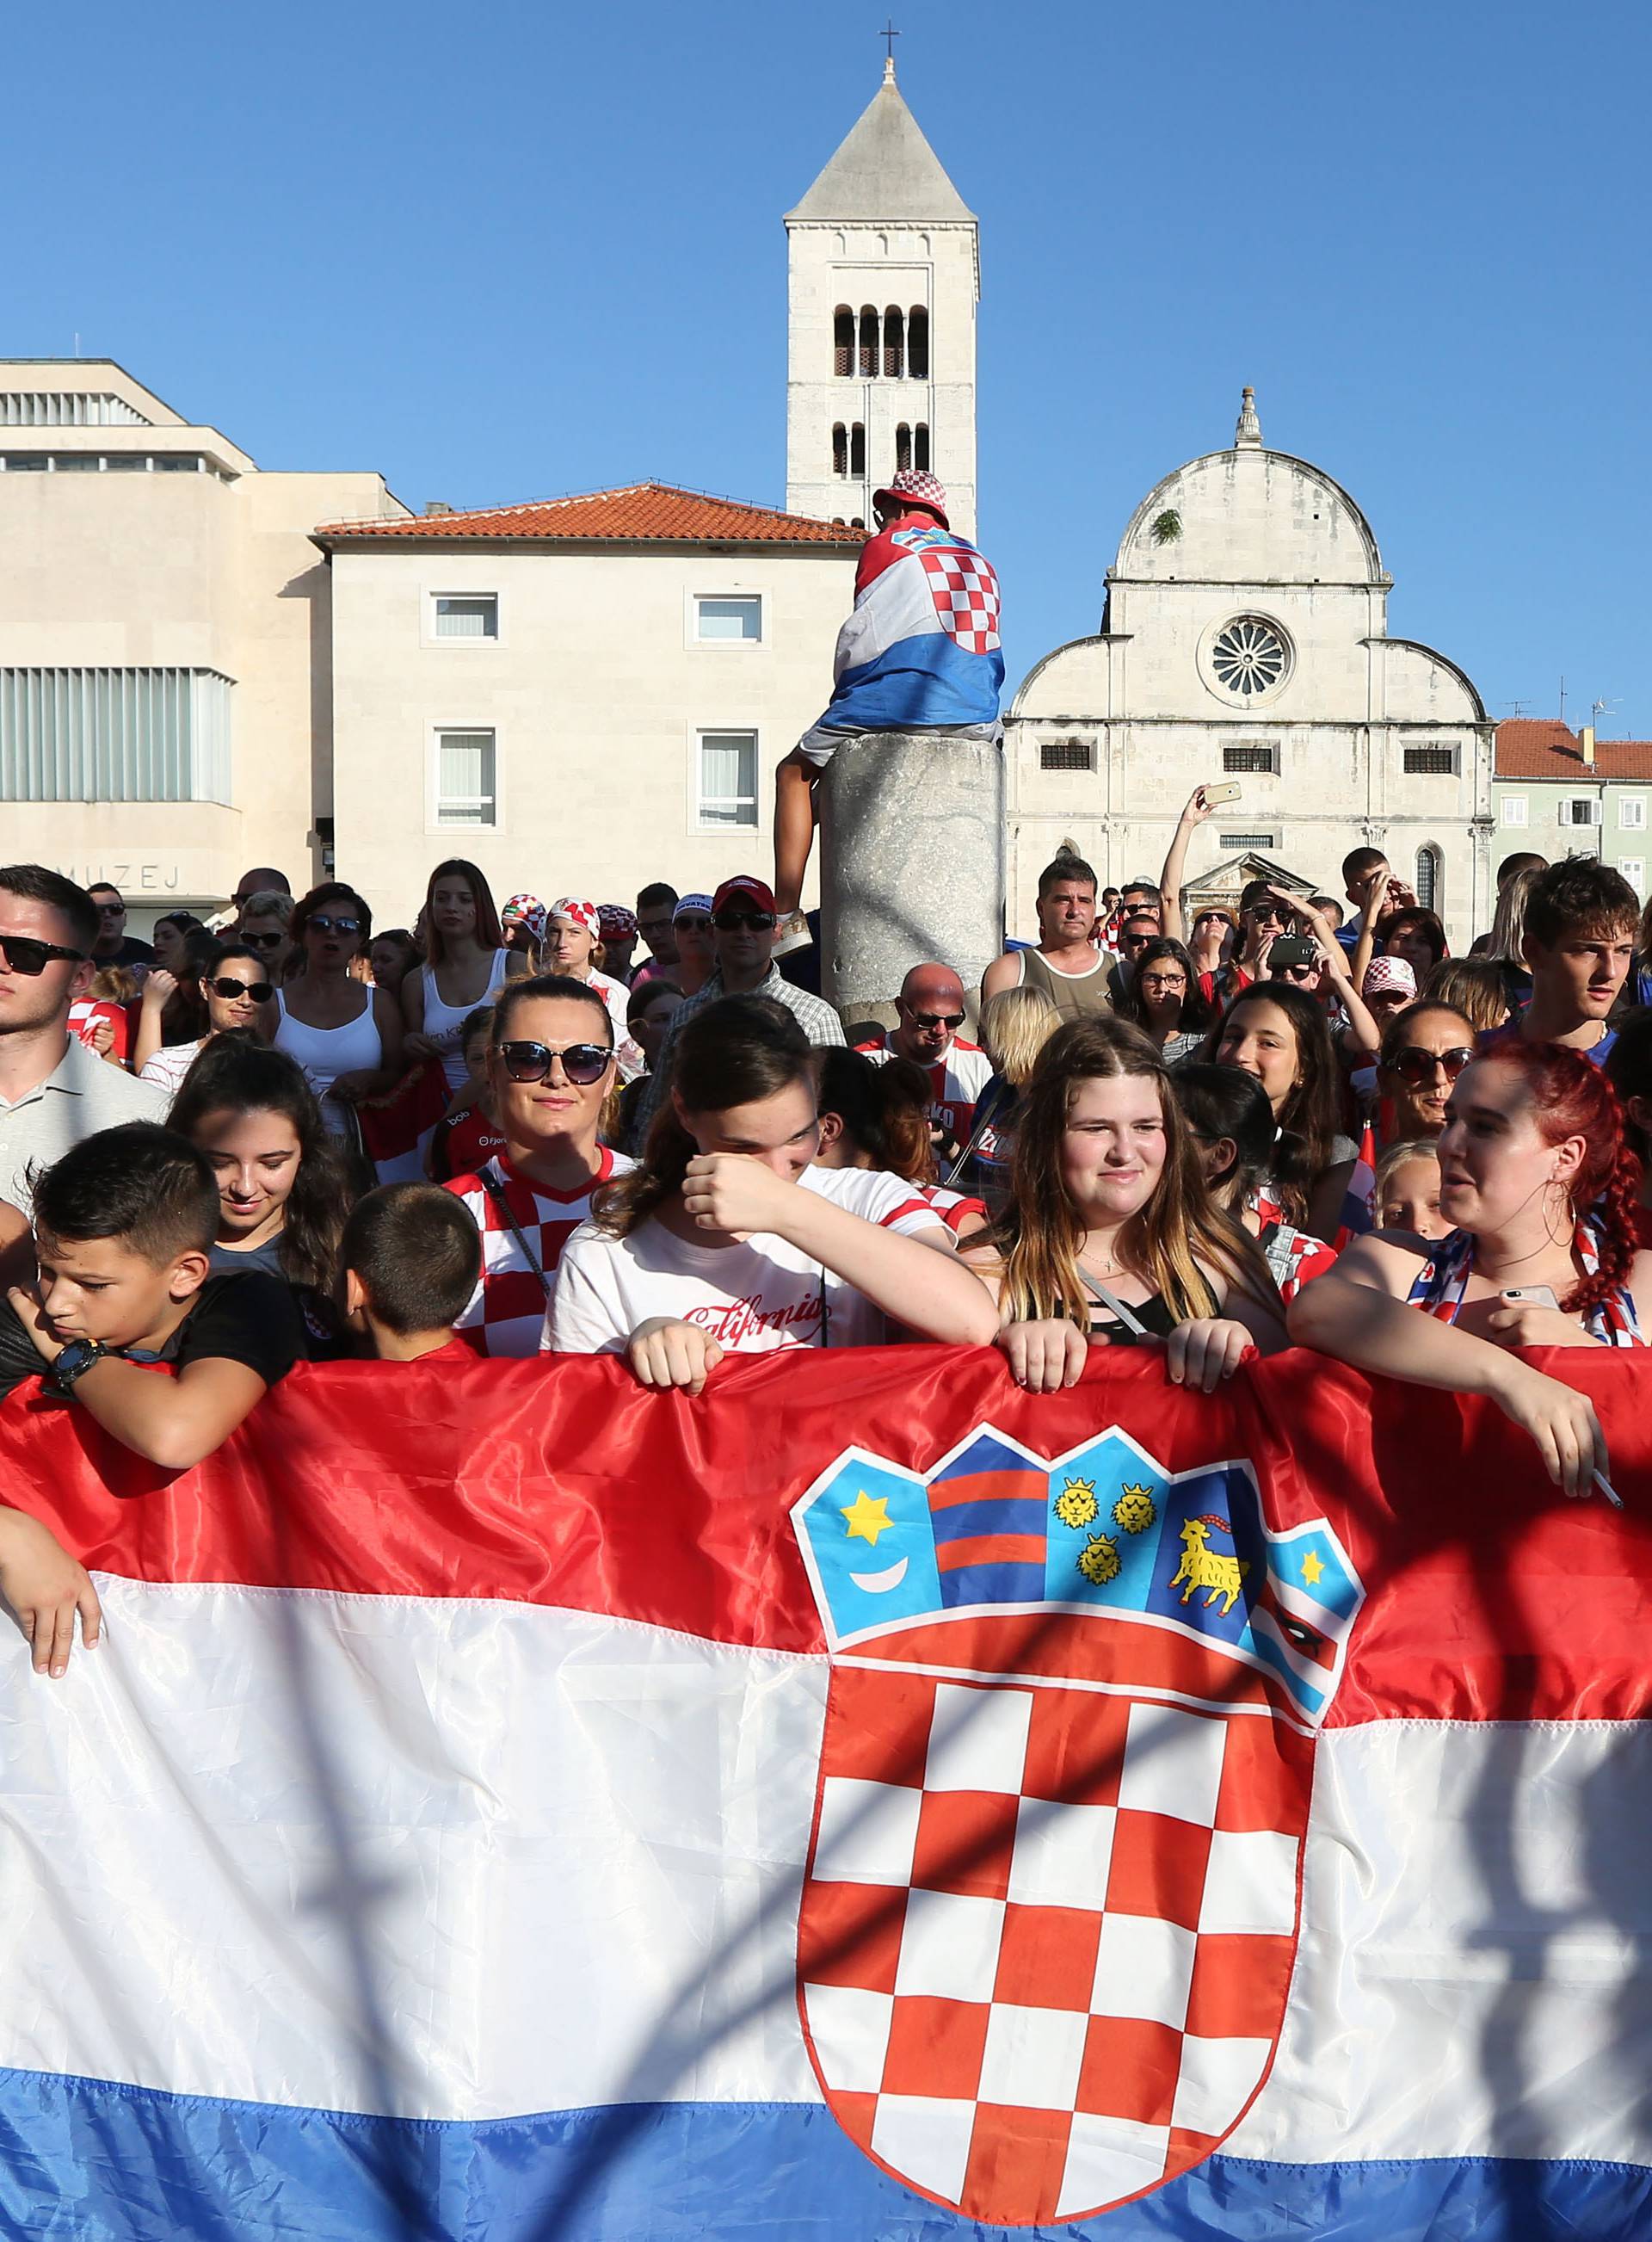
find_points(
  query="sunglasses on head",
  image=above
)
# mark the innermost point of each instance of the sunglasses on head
(1414, 1066)
(229, 988)
(22, 955)
(324, 923)
(266, 941)
(953, 1021)
(583, 1064)
(755, 921)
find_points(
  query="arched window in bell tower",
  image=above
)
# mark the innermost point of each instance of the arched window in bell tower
(843, 340)
(917, 343)
(894, 342)
(868, 342)
(920, 445)
(840, 448)
(858, 452)
(903, 445)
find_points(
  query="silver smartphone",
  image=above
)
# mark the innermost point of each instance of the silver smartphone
(1532, 1296)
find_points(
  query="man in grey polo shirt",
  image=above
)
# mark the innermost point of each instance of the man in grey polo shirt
(53, 1091)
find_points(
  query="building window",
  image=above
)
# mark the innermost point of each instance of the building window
(843, 340)
(1434, 761)
(858, 454)
(25, 463)
(920, 445)
(1264, 843)
(1250, 756)
(729, 619)
(67, 409)
(114, 735)
(1633, 870)
(725, 779)
(894, 342)
(1249, 657)
(1065, 756)
(1429, 882)
(840, 448)
(1513, 809)
(467, 615)
(868, 342)
(1631, 813)
(903, 445)
(1580, 810)
(917, 343)
(465, 789)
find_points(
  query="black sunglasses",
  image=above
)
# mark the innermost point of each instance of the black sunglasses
(323, 923)
(731, 922)
(266, 941)
(693, 922)
(583, 1064)
(1414, 1066)
(111, 910)
(229, 989)
(950, 1020)
(24, 955)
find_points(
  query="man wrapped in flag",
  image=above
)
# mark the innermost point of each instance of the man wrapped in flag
(920, 653)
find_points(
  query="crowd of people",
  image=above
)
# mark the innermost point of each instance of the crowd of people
(585, 1128)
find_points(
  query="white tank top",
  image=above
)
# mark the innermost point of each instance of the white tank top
(443, 1022)
(325, 1053)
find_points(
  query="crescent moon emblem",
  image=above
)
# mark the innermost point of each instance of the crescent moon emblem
(878, 1584)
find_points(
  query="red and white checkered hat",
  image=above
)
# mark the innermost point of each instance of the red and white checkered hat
(615, 922)
(1390, 976)
(582, 913)
(916, 487)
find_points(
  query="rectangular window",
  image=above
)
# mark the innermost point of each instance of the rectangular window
(1265, 843)
(114, 735)
(178, 463)
(1250, 756)
(127, 463)
(25, 463)
(465, 791)
(729, 620)
(1065, 756)
(1513, 809)
(1436, 762)
(1631, 813)
(78, 463)
(1581, 810)
(1633, 870)
(467, 615)
(725, 779)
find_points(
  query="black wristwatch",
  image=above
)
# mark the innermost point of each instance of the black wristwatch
(75, 1359)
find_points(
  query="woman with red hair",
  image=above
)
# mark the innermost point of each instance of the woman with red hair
(1541, 1188)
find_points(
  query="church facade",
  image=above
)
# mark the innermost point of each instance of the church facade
(1244, 641)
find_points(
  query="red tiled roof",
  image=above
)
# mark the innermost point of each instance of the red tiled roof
(641, 514)
(1535, 747)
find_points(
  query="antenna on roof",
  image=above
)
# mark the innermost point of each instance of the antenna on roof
(1563, 714)
(1601, 709)
(1517, 708)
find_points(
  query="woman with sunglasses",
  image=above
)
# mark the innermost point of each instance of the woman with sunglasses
(692, 923)
(727, 1238)
(235, 990)
(573, 946)
(550, 1073)
(465, 964)
(346, 1037)
(1164, 999)
(1424, 1053)
(1539, 1186)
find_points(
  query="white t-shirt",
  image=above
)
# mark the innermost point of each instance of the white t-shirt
(169, 1065)
(749, 1297)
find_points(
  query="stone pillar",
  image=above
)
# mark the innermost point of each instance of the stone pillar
(912, 863)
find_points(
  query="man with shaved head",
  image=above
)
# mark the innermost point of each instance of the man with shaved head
(931, 1006)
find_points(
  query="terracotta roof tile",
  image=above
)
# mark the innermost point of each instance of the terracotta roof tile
(1537, 747)
(641, 514)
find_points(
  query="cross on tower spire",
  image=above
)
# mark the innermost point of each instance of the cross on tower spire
(889, 35)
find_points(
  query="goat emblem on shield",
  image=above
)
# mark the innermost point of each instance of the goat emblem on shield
(1051, 1912)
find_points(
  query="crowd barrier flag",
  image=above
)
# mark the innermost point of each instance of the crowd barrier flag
(863, 1804)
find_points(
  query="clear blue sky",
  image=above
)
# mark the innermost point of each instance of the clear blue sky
(507, 252)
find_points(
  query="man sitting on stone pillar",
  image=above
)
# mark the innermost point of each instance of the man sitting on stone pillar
(918, 654)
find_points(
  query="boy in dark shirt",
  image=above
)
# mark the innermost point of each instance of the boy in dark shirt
(410, 1258)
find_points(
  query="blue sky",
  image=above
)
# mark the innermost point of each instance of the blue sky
(505, 252)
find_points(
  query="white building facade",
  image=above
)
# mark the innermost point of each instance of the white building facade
(1565, 794)
(1244, 640)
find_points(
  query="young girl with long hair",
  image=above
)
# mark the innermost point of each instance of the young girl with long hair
(1111, 1233)
(1540, 1187)
(726, 1238)
(1279, 1034)
(347, 1038)
(1232, 1125)
(1165, 1000)
(467, 961)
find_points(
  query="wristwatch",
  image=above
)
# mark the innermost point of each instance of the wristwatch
(75, 1360)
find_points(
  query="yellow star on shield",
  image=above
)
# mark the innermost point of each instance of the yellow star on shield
(866, 1518)
(1312, 1569)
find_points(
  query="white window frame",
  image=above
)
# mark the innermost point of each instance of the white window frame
(692, 638)
(428, 636)
(1513, 809)
(1628, 822)
(1633, 870)
(1571, 802)
(432, 770)
(698, 822)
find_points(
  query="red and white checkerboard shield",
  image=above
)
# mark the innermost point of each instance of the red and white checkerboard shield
(1049, 1923)
(965, 591)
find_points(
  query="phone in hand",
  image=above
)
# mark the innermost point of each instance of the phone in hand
(1228, 791)
(1531, 1296)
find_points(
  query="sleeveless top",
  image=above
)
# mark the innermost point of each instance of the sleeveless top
(1442, 1282)
(1075, 996)
(325, 1053)
(443, 1022)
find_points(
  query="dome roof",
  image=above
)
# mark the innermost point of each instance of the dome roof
(1249, 516)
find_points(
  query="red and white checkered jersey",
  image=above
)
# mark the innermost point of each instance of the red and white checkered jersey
(85, 1013)
(954, 1208)
(956, 1082)
(507, 1313)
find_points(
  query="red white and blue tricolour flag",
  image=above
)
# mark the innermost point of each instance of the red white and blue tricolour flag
(921, 649)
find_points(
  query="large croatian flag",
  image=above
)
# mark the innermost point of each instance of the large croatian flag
(864, 1804)
(921, 647)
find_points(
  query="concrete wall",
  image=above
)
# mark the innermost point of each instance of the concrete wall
(595, 689)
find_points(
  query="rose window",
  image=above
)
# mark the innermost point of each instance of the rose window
(1249, 657)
